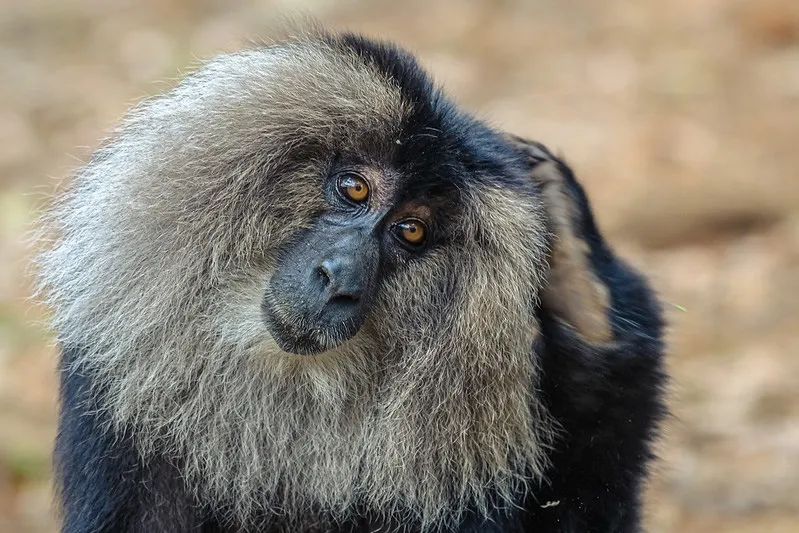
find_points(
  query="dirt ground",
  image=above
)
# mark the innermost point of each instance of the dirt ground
(681, 117)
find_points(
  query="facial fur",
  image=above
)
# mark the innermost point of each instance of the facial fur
(168, 243)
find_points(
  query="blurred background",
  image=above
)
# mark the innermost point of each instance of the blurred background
(680, 117)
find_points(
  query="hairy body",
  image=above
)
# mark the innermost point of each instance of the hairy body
(245, 348)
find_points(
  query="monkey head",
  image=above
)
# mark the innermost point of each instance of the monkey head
(325, 278)
(402, 183)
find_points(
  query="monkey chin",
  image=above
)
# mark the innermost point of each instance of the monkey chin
(303, 337)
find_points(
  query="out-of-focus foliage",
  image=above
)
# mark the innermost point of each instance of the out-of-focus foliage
(682, 117)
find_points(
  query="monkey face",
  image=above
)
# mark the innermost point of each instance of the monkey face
(396, 243)
(326, 277)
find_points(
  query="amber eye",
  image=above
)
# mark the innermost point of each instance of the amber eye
(412, 231)
(354, 187)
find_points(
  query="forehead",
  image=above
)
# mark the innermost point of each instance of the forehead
(436, 151)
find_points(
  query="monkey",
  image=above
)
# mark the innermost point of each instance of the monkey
(305, 291)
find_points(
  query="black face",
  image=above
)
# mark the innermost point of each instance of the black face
(326, 278)
(378, 221)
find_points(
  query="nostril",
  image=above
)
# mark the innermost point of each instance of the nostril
(340, 283)
(324, 275)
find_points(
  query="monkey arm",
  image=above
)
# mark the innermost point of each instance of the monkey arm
(103, 485)
(601, 360)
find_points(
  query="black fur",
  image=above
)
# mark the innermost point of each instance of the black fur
(606, 400)
(101, 481)
(440, 146)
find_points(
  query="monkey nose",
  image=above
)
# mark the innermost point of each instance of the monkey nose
(340, 280)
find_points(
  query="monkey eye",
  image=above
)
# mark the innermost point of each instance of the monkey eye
(353, 187)
(411, 231)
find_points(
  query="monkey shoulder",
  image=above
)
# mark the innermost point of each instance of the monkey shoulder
(105, 484)
(602, 377)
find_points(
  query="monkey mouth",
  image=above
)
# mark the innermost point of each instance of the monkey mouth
(304, 335)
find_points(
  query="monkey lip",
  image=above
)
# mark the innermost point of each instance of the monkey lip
(306, 336)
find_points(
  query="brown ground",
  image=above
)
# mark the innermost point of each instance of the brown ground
(681, 116)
